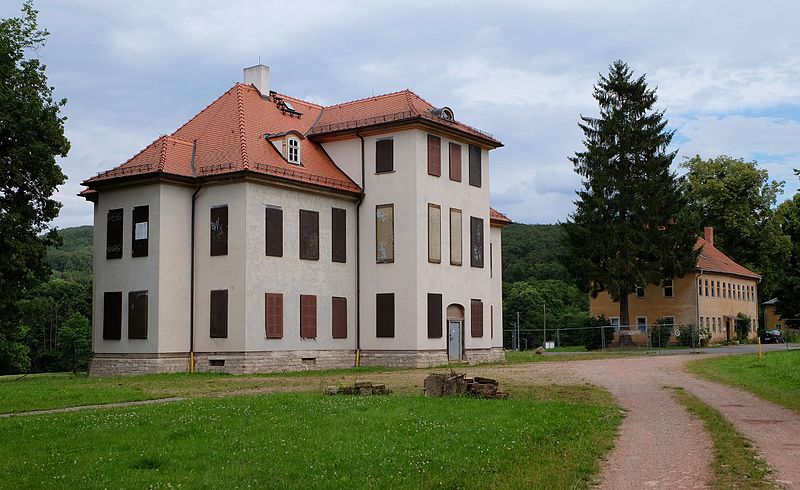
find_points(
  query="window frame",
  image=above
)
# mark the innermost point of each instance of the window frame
(670, 287)
(434, 235)
(272, 330)
(308, 234)
(114, 233)
(139, 246)
(273, 231)
(220, 246)
(434, 155)
(390, 251)
(385, 325)
(381, 151)
(476, 242)
(138, 332)
(454, 162)
(293, 150)
(475, 166)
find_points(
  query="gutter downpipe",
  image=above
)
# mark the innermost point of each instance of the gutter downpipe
(697, 303)
(358, 256)
(191, 267)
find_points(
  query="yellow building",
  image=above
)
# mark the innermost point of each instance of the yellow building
(710, 296)
(772, 320)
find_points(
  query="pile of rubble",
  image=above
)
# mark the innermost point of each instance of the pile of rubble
(359, 388)
(454, 384)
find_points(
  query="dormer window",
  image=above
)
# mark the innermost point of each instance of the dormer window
(293, 151)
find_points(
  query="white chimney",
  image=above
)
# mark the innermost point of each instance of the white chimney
(259, 77)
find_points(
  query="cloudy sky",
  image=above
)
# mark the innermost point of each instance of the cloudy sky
(727, 72)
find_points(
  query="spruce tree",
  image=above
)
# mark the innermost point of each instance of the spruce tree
(631, 226)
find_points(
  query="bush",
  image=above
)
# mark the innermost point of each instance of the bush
(594, 333)
(661, 332)
(743, 324)
(74, 342)
(688, 335)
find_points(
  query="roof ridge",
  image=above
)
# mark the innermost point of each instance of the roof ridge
(411, 106)
(242, 134)
(162, 158)
(366, 98)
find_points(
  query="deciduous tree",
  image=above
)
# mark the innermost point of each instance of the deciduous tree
(630, 226)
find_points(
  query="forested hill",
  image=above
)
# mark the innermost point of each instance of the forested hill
(531, 252)
(73, 260)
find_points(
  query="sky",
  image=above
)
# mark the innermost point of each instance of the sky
(727, 75)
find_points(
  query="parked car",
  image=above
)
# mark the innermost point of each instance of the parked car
(772, 337)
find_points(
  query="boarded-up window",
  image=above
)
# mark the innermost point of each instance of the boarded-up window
(434, 155)
(273, 315)
(491, 321)
(455, 162)
(455, 237)
(112, 315)
(476, 318)
(114, 234)
(140, 231)
(339, 317)
(434, 316)
(434, 233)
(475, 242)
(474, 165)
(219, 314)
(308, 316)
(338, 235)
(137, 315)
(309, 235)
(274, 231)
(384, 315)
(219, 230)
(384, 156)
(384, 233)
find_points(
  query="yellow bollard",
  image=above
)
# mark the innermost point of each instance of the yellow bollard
(759, 347)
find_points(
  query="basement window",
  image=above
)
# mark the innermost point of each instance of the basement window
(216, 362)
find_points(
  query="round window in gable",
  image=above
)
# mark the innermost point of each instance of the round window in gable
(293, 151)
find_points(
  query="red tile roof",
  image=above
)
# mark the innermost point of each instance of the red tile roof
(498, 218)
(229, 136)
(712, 259)
(381, 109)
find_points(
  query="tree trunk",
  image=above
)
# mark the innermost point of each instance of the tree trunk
(624, 320)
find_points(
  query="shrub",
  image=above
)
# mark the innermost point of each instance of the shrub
(74, 340)
(742, 325)
(594, 333)
(661, 332)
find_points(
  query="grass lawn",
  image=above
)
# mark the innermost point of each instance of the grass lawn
(304, 440)
(46, 391)
(775, 377)
(735, 464)
(513, 356)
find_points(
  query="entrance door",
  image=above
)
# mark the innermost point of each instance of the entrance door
(454, 340)
(728, 329)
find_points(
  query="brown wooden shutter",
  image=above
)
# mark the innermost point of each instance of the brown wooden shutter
(384, 156)
(338, 235)
(274, 231)
(384, 315)
(455, 162)
(476, 318)
(309, 235)
(476, 241)
(219, 314)
(112, 315)
(137, 315)
(474, 165)
(140, 231)
(339, 317)
(434, 316)
(114, 234)
(434, 155)
(308, 316)
(273, 315)
(219, 230)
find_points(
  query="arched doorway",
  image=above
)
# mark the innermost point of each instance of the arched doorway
(455, 332)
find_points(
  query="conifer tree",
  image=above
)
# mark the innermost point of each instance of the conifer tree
(631, 226)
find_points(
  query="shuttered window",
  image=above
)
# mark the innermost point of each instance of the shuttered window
(219, 230)
(384, 233)
(475, 242)
(474, 165)
(338, 235)
(455, 162)
(219, 314)
(434, 233)
(339, 317)
(384, 315)
(274, 231)
(114, 234)
(308, 316)
(434, 155)
(456, 252)
(309, 235)
(140, 231)
(273, 315)
(384, 156)
(434, 316)
(112, 315)
(476, 318)
(491, 321)
(137, 315)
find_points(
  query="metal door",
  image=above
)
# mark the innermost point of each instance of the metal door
(454, 340)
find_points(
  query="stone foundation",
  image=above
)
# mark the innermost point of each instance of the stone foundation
(276, 361)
